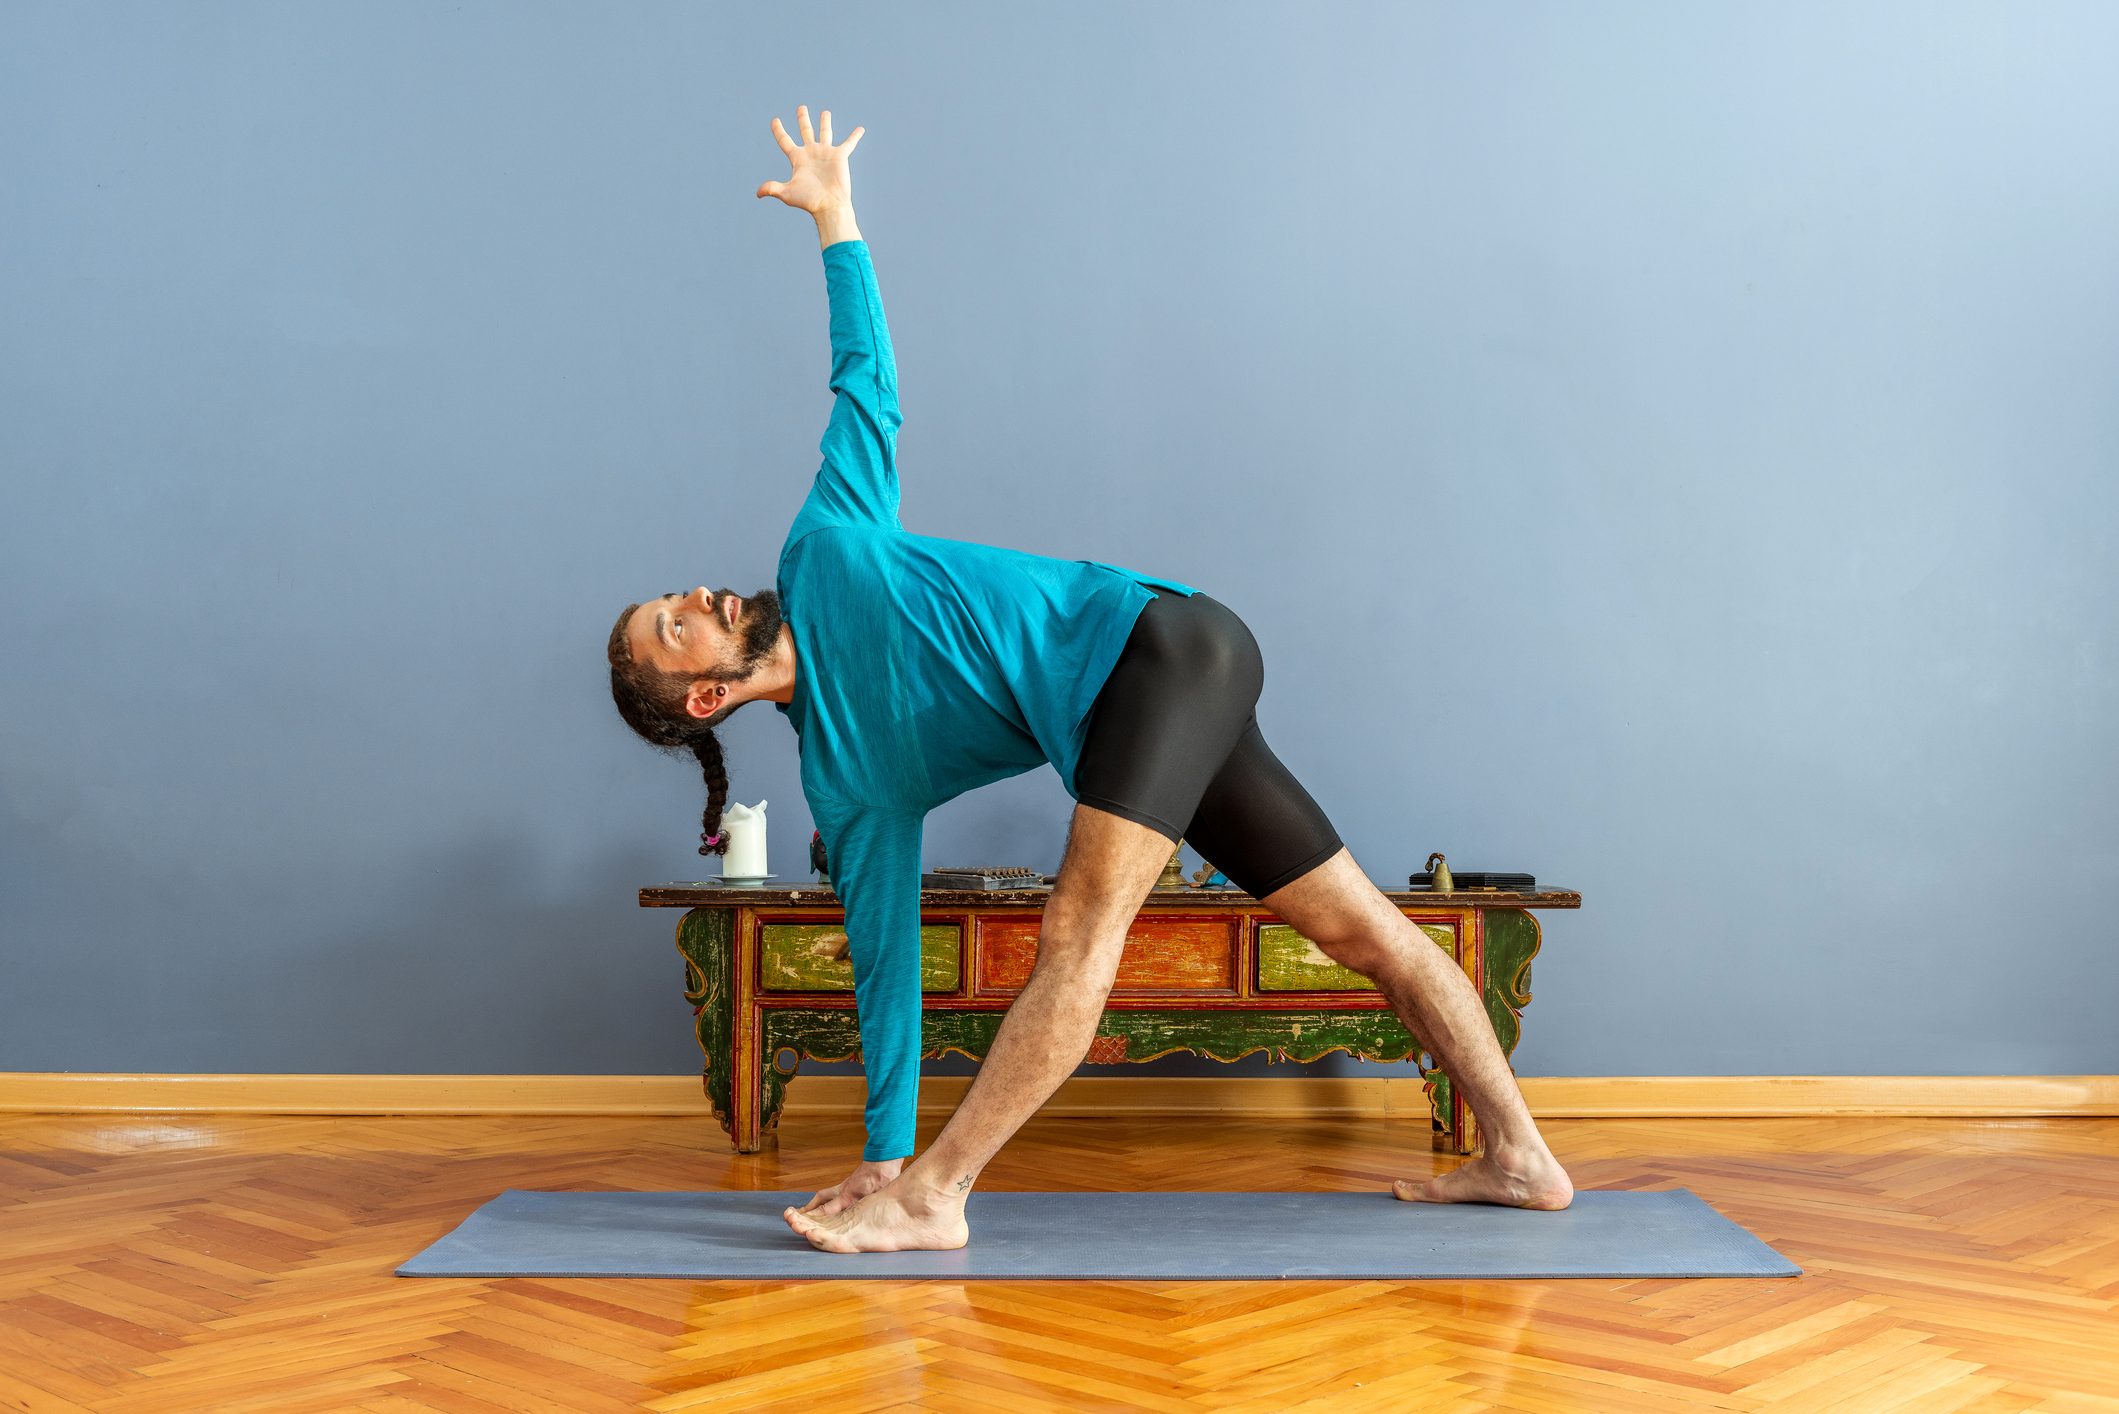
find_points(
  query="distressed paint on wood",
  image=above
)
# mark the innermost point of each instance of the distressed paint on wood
(1512, 938)
(1289, 962)
(706, 940)
(811, 957)
(793, 1033)
(749, 1060)
(1162, 954)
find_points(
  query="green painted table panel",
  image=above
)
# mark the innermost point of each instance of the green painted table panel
(1289, 962)
(809, 957)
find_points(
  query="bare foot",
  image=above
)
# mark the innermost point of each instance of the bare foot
(891, 1219)
(1513, 1178)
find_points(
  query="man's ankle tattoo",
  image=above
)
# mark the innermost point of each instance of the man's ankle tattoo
(964, 1182)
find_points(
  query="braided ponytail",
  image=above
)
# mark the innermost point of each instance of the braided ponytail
(706, 747)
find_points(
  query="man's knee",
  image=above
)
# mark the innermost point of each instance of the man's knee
(1110, 865)
(1340, 910)
(1366, 950)
(1086, 957)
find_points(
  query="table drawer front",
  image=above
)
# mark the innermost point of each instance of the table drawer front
(1193, 955)
(812, 957)
(1289, 962)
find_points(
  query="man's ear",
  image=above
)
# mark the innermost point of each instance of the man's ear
(703, 699)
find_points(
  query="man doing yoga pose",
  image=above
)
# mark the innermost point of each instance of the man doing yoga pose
(913, 669)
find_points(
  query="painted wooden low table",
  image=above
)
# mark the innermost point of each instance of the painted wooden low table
(1206, 971)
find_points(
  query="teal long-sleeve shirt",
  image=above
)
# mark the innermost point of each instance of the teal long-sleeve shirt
(925, 668)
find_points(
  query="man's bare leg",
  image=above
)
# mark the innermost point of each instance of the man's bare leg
(1110, 865)
(1338, 908)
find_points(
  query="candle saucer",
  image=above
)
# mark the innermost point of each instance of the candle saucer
(744, 881)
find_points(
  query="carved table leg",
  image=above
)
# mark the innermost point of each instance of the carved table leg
(706, 937)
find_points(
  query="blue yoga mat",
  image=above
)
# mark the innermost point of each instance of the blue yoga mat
(1110, 1236)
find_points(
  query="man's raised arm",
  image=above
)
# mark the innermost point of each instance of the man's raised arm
(858, 481)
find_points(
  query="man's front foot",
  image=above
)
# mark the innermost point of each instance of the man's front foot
(1514, 1178)
(895, 1218)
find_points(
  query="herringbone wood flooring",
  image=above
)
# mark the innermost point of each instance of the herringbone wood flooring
(232, 1264)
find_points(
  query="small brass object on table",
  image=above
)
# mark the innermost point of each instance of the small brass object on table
(1173, 874)
(1439, 867)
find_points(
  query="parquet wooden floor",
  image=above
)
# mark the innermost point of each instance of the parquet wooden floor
(233, 1264)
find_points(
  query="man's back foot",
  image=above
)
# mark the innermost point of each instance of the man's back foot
(1517, 1179)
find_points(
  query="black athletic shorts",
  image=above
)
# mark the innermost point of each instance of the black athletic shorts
(1174, 745)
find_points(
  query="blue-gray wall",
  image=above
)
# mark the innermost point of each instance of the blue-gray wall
(1667, 448)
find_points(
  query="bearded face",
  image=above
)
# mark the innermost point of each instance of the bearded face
(713, 635)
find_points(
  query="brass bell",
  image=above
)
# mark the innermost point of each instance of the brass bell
(1438, 869)
(1173, 874)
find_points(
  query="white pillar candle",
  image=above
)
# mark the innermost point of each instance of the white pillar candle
(745, 825)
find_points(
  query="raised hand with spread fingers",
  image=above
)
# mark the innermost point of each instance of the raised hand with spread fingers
(820, 177)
